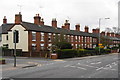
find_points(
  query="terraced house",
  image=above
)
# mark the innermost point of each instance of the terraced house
(36, 37)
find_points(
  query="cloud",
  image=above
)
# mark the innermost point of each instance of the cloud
(85, 12)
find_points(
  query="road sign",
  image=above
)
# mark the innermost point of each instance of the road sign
(100, 44)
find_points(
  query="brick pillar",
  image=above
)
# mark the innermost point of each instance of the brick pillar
(67, 25)
(77, 27)
(42, 21)
(4, 20)
(18, 18)
(54, 23)
(86, 29)
(37, 19)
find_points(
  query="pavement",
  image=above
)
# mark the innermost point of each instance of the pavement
(101, 66)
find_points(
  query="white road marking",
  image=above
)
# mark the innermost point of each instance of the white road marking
(72, 66)
(91, 66)
(109, 66)
(114, 63)
(82, 68)
(110, 69)
(99, 68)
(96, 63)
(87, 65)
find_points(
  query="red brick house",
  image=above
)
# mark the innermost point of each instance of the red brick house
(36, 37)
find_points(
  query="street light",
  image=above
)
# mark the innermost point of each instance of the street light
(99, 31)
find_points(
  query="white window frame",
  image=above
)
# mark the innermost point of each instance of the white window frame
(33, 35)
(42, 36)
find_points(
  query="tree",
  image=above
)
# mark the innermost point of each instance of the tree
(64, 45)
(105, 41)
(61, 41)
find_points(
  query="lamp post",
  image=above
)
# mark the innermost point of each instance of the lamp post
(99, 31)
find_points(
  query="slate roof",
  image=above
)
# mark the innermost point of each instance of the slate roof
(50, 29)
(46, 28)
(5, 28)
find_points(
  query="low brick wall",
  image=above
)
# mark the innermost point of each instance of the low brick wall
(2, 62)
(114, 51)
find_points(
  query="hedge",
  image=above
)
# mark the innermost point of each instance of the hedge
(84, 52)
(66, 53)
(69, 53)
(115, 48)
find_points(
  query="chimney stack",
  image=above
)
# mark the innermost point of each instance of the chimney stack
(117, 35)
(77, 27)
(86, 29)
(102, 33)
(4, 20)
(42, 21)
(54, 22)
(63, 26)
(112, 34)
(37, 19)
(67, 25)
(18, 18)
(93, 30)
(108, 34)
(97, 30)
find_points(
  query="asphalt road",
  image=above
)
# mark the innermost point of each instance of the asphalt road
(103, 66)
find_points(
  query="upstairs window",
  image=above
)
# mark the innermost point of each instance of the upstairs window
(71, 38)
(33, 36)
(42, 36)
(75, 38)
(49, 37)
(82, 38)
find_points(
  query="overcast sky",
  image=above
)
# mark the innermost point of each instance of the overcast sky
(84, 12)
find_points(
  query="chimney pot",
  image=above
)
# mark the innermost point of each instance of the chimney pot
(97, 31)
(4, 20)
(112, 34)
(108, 34)
(67, 25)
(77, 27)
(18, 18)
(86, 29)
(54, 22)
(37, 19)
(42, 21)
(102, 33)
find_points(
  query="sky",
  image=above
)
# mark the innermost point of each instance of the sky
(83, 12)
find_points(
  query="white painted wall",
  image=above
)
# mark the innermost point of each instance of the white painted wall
(23, 38)
(4, 40)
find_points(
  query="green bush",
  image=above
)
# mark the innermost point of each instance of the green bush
(64, 45)
(97, 51)
(106, 51)
(84, 52)
(69, 53)
(115, 48)
(2, 59)
(66, 53)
